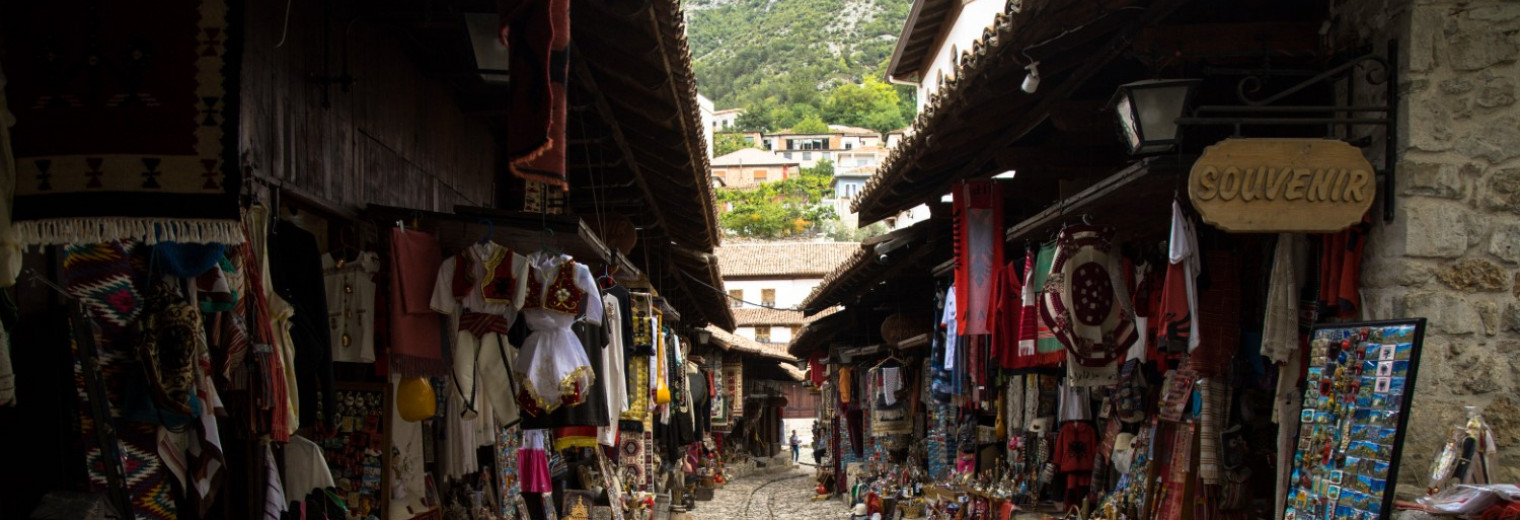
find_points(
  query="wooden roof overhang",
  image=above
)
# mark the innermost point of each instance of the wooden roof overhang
(817, 335)
(980, 110)
(745, 347)
(638, 147)
(635, 148)
(1061, 138)
(907, 251)
(925, 22)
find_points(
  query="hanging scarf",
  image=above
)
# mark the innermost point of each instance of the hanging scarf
(538, 32)
(978, 252)
(1047, 351)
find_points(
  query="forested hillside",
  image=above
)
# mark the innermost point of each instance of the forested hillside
(787, 61)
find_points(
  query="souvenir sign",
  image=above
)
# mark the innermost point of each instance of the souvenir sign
(1351, 430)
(1298, 185)
(358, 451)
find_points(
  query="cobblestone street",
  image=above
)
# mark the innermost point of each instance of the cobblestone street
(783, 495)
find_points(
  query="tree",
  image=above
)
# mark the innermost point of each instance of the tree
(753, 120)
(724, 144)
(870, 104)
(823, 169)
(779, 209)
(812, 124)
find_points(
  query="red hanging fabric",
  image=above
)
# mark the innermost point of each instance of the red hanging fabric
(978, 253)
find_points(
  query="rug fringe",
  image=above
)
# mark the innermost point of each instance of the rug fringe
(148, 230)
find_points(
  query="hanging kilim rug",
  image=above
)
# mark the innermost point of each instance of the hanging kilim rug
(126, 120)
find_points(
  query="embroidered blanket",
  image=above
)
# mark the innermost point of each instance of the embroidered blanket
(126, 121)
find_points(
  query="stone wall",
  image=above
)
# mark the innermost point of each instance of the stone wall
(1452, 253)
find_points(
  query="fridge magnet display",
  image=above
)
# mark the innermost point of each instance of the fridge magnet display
(355, 451)
(1351, 431)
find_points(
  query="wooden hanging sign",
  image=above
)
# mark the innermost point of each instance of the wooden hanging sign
(1282, 185)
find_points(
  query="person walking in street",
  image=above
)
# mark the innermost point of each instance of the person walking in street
(796, 446)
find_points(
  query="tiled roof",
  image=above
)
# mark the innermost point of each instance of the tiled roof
(796, 374)
(783, 258)
(853, 130)
(749, 316)
(975, 95)
(733, 342)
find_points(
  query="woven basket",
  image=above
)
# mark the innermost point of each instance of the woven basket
(903, 325)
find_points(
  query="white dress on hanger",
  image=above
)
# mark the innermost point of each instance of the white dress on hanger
(552, 366)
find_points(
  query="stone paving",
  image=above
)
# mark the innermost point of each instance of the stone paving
(779, 495)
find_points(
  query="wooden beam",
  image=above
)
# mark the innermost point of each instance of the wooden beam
(1116, 45)
(1164, 43)
(583, 74)
(1116, 198)
(710, 224)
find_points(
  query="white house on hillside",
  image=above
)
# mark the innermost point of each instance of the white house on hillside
(764, 278)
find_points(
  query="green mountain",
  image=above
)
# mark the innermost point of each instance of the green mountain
(785, 57)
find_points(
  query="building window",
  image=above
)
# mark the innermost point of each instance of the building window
(736, 298)
(807, 156)
(787, 155)
(817, 143)
(849, 146)
(763, 333)
(768, 297)
(760, 175)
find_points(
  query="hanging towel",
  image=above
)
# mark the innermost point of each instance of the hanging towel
(1047, 351)
(416, 331)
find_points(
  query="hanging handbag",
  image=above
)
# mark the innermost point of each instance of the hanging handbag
(415, 400)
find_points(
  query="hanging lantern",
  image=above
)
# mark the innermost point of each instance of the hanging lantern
(1148, 110)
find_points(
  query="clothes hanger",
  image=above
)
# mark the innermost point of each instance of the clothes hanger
(345, 252)
(606, 281)
(490, 231)
(37, 278)
(544, 242)
(891, 356)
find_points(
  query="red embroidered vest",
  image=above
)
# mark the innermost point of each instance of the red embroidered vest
(562, 295)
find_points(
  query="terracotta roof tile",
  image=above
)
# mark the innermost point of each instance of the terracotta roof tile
(733, 342)
(804, 259)
(749, 316)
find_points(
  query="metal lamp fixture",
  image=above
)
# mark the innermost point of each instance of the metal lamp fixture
(1148, 111)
